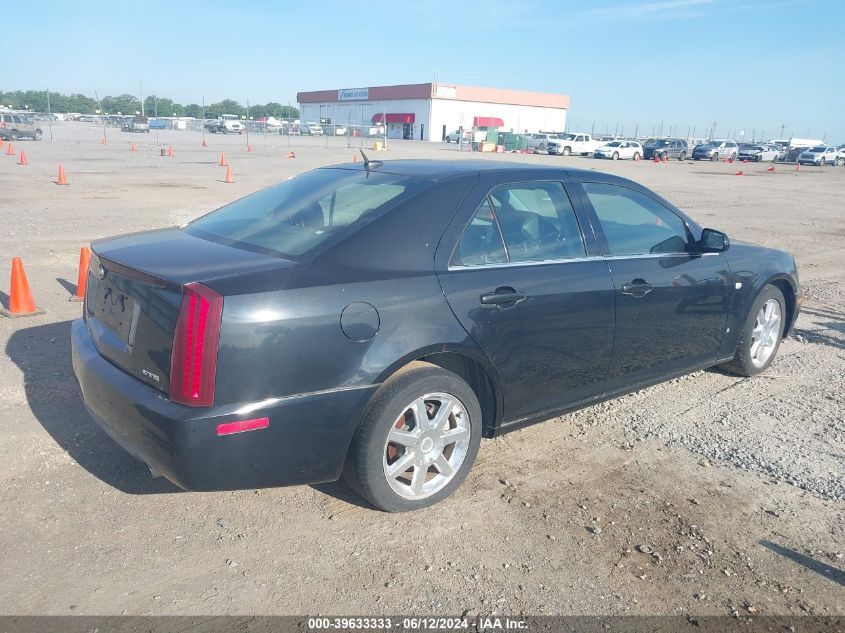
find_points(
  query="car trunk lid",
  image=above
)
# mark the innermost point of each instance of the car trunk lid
(134, 293)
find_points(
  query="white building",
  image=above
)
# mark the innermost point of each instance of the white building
(431, 111)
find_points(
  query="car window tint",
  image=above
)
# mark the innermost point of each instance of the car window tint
(294, 217)
(635, 224)
(481, 242)
(537, 221)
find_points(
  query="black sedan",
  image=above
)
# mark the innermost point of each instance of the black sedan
(375, 321)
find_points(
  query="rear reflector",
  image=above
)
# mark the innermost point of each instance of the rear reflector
(193, 362)
(244, 425)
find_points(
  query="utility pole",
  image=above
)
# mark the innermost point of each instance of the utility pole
(782, 128)
(141, 90)
(49, 115)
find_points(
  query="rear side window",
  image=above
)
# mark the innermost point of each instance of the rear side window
(295, 217)
(635, 224)
(481, 242)
(535, 220)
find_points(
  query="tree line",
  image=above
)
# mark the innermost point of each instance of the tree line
(36, 101)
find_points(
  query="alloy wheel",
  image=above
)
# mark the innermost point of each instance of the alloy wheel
(766, 332)
(427, 445)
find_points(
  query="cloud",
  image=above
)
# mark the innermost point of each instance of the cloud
(674, 8)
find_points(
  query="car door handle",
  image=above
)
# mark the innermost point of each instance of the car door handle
(637, 288)
(502, 296)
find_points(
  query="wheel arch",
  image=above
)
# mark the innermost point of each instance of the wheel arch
(785, 285)
(467, 363)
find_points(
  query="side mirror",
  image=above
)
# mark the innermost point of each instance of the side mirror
(713, 241)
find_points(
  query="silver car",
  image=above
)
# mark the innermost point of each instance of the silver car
(716, 150)
(819, 155)
(15, 126)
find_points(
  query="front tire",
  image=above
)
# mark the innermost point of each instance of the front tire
(37, 135)
(418, 440)
(615, 156)
(761, 334)
(683, 156)
(567, 151)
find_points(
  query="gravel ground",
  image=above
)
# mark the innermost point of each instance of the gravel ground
(709, 494)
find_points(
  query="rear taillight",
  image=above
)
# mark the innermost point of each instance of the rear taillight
(193, 363)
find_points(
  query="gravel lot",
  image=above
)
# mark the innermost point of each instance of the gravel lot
(737, 485)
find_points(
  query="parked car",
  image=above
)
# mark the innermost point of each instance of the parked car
(578, 143)
(226, 124)
(716, 150)
(278, 341)
(310, 129)
(539, 142)
(819, 155)
(620, 149)
(667, 148)
(761, 153)
(15, 126)
(335, 130)
(136, 124)
(455, 136)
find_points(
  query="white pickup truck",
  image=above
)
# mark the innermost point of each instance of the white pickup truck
(577, 143)
(226, 124)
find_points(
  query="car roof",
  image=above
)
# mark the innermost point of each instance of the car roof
(437, 170)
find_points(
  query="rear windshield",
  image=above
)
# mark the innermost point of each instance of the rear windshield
(296, 217)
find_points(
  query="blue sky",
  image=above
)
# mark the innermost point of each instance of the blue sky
(746, 64)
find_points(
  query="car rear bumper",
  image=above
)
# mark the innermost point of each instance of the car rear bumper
(306, 441)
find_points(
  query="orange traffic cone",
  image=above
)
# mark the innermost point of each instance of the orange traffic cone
(104, 141)
(354, 158)
(739, 173)
(133, 147)
(1, 143)
(170, 151)
(82, 276)
(204, 143)
(23, 160)
(10, 150)
(249, 148)
(291, 155)
(61, 179)
(770, 169)
(229, 179)
(797, 166)
(21, 302)
(223, 162)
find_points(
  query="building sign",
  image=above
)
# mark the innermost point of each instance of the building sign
(353, 94)
(448, 92)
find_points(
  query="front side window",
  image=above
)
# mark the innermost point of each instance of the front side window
(635, 224)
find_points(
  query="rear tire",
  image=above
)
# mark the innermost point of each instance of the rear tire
(13, 135)
(683, 156)
(761, 334)
(715, 157)
(429, 447)
(636, 156)
(37, 135)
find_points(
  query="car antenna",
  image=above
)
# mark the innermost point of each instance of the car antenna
(368, 162)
